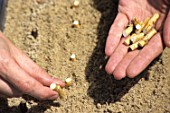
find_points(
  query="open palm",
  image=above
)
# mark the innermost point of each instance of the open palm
(121, 61)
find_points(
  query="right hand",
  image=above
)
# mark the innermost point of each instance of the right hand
(123, 63)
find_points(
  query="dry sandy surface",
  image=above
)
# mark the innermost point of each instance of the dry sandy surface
(45, 33)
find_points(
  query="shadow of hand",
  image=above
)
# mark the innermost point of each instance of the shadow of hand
(104, 88)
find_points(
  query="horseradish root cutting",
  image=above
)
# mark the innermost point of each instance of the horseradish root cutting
(138, 33)
(59, 89)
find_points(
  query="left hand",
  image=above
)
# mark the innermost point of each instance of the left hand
(20, 75)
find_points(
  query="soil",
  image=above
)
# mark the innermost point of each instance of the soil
(44, 31)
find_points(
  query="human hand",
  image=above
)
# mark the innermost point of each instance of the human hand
(20, 75)
(122, 62)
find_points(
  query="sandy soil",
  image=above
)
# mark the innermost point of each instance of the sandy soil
(45, 33)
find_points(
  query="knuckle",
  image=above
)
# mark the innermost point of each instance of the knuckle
(28, 86)
(160, 46)
(4, 60)
(38, 70)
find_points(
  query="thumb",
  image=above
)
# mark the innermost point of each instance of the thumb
(166, 30)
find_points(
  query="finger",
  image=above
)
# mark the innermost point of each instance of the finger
(166, 31)
(146, 56)
(116, 57)
(34, 70)
(7, 90)
(115, 33)
(11, 72)
(120, 70)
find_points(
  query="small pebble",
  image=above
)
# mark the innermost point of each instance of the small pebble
(85, 85)
(101, 66)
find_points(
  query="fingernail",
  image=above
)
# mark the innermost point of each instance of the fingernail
(53, 97)
(168, 44)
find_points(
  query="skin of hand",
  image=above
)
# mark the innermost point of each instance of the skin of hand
(20, 75)
(122, 63)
